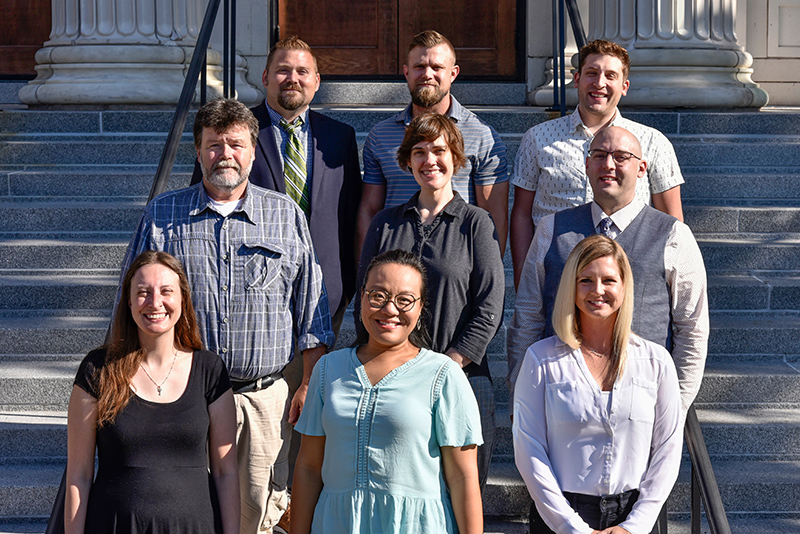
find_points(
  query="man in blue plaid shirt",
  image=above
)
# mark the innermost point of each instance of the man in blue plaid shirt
(256, 288)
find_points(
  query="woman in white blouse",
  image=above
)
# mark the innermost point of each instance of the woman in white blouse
(597, 413)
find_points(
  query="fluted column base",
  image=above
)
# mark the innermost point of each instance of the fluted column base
(86, 74)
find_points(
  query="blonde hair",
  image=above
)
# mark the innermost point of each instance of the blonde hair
(566, 320)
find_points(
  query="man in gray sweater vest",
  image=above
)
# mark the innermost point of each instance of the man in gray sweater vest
(671, 305)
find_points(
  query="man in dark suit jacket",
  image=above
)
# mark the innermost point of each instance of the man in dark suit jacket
(333, 187)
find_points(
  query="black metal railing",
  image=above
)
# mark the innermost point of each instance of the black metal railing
(704, 483)
(560, 10)
(197, 69)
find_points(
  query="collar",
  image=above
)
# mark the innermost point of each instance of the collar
(576, 122)
(456, 112)
(201, 202)
(622, 218)
(455, 208)
(275, 117)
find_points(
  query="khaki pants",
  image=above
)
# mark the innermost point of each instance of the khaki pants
(262, 448)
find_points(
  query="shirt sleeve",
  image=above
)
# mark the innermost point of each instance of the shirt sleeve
(89, 372)
(455, 410)
(373, 174)
(526, 164)
(215, 375)
(491, 165)
(310, 421)
(529, 320)
(665, 456)
(663, 170)
(487, 289)
(531, 450)
(686, 278)
(312, 315)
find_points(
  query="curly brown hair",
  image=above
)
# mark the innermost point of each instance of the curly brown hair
(606, 48)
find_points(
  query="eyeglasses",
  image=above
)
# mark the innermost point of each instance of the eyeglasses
(619, 156)
(379, 298)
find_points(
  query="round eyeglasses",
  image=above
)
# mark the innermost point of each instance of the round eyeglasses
(619, 156)
(379, 298)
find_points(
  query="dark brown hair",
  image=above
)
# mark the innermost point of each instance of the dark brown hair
(124, 352)
(222, 114)
(429, 127)
(291, 43)
(606, 48)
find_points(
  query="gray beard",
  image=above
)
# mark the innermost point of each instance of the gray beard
(219, 182)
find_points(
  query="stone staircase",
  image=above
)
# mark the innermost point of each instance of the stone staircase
(73, 184)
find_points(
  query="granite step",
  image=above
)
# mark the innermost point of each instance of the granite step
(34, 217)
(747, 220)
(87, 252)
(729, 186)
(750, 434)
(746, 487)
(743, 384)
(750, 252)
(68, 183)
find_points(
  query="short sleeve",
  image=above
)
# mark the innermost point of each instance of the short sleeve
(310, 422)
(215, 375)
(88, 373)
(456, 417)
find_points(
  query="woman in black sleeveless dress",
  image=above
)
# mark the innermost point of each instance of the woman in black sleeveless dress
(158, 409)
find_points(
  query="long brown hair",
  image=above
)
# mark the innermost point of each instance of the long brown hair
(124, 352)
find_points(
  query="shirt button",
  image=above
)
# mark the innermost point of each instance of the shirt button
(225, 320)
(225, 257)
(225, 225)
(224, 288)
(224, 350)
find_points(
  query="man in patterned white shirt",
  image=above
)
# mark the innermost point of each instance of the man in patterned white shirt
(669, 277)
(549, 168)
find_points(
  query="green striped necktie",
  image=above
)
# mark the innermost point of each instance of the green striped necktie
(294, 166)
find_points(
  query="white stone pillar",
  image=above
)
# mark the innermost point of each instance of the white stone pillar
(124, 52)
(684, 53)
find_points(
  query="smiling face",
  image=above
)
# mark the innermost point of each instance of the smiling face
(613, 183)
(601, 83)
(429, 73)
(599, 291)
(226, 160)
(291, 81)
(155, 300)
(388, 327)
(432, 164)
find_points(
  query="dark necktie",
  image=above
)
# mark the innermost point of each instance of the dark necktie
(604, 228)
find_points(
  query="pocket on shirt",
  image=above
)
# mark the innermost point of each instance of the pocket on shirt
(567, 404)
(262, 265)
(643, 400)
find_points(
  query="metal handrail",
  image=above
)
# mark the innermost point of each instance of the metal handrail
(197, 66)
(560, 45)
(704, 483)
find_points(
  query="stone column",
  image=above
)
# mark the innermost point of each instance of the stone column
(123, 52)
(684, 53)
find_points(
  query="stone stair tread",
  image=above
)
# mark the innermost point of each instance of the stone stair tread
(25, 474)
(726, 471)
(38, 370)
(57, 279)
(23, 419)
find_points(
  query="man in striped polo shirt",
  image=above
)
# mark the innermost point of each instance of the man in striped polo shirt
(429, 70)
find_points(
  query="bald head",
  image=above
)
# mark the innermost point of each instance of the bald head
(613, 166)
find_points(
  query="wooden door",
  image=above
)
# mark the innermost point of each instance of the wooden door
(369, 38)
(26, 26)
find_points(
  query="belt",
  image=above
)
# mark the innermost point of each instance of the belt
(256, 385)
(602, 501)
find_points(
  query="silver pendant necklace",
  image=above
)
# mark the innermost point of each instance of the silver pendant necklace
(156, 384)
(598, 354)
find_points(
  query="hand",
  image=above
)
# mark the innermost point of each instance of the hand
(612, 530)
(298, 401)
(457, 357)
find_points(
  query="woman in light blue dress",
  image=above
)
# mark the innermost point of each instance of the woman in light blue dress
(390, 428)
